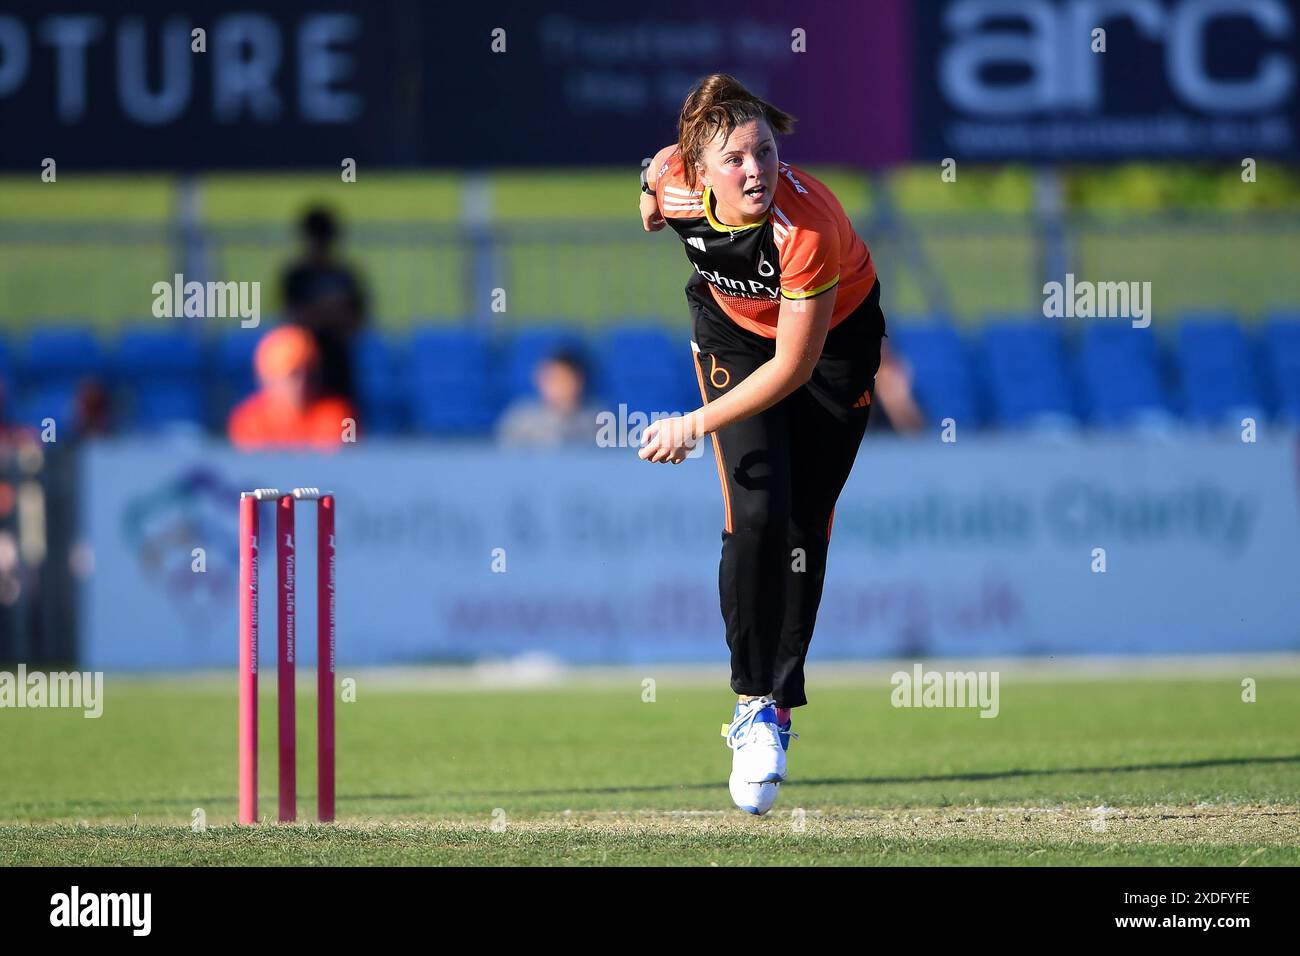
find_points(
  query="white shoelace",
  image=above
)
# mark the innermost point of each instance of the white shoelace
(743, 723)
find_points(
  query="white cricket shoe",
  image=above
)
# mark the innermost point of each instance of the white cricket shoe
(758, 759)
(755, 798)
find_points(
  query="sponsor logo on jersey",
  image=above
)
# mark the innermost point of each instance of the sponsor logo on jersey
(750, 289)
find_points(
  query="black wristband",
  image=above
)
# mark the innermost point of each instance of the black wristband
(645, 187)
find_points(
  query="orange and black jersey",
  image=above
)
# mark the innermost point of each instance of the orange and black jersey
(804, 247)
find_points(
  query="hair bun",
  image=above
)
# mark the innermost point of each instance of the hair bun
(719, 103)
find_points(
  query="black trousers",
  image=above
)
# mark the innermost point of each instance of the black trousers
(781, 471)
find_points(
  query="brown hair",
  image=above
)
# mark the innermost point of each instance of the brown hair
(719, 102)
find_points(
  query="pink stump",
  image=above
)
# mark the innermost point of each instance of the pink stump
(325, 584)
(284, 666)
(247, 659)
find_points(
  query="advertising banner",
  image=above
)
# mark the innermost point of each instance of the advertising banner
(1076, 80)
(305, 83)
(461, 553)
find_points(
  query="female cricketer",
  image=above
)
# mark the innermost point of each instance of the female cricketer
(787, 330)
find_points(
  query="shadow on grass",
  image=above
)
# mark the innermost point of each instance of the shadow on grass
(929, 778)
(127, 806)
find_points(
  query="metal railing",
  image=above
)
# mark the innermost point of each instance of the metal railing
(593, 273)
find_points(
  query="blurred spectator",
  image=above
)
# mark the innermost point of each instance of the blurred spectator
(290, 410)
(324, 296)
(561, 417)
(894, 396)
(92, 409)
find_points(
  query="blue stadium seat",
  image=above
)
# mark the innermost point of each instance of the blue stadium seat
(7, 384)
(232, 364)
(452, 385)
(54, 362)
(1026, 370)
(1281, 344)
(158, 404)
(380, 370)
(1219, 383)
(161, 372)
(148, 351)
(645, 368)
(56, 401)
(942, 378)
(438, 352)
(1119, 373)
(62, 356)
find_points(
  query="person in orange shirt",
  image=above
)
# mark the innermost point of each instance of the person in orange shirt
(289, 411)
(785, 303)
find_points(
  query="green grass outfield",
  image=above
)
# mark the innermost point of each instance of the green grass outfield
(1116, 765)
